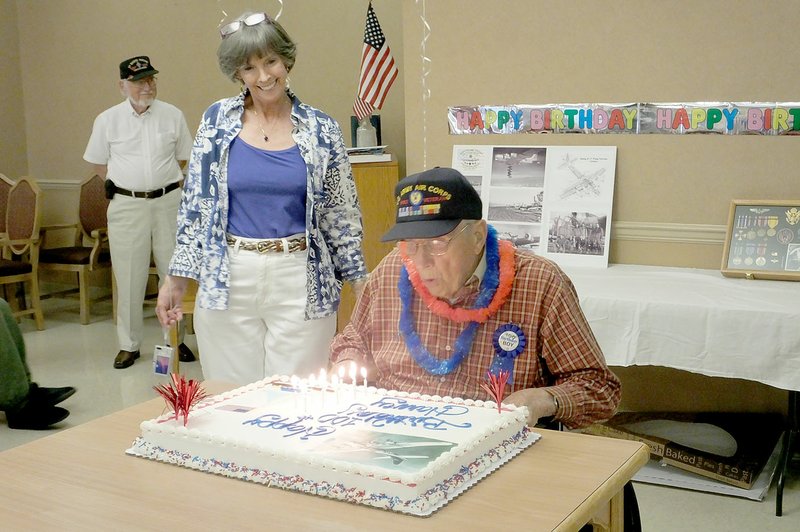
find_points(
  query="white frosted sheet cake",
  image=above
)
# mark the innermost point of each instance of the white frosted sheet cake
(405, 452)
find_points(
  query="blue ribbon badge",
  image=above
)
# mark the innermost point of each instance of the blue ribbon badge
(509, 342)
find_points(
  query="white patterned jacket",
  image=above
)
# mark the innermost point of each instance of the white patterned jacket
(333, 217)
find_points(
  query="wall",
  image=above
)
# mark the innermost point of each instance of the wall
(70, 51)
(13, 156)
(672, 192)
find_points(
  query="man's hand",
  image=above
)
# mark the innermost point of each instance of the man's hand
(540, 403)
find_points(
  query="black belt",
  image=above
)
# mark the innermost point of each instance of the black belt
(150, 194)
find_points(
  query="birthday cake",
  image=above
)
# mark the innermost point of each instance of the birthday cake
(405, 452)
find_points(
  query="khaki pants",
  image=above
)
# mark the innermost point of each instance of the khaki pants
(138, 227)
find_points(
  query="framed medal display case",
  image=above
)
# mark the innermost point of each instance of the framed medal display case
(763, 240)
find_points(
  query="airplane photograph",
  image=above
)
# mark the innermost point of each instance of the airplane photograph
(524, 236)
(518, 166)
(515, 205)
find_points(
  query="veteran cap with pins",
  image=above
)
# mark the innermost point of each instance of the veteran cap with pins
(432, 203)
(136, 68)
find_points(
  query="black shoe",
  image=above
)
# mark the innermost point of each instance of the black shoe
(185, 354)
(49, 396)
(125, 359)
(35, 416)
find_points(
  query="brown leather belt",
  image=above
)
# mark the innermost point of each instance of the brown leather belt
(150, 194)
(268, 246)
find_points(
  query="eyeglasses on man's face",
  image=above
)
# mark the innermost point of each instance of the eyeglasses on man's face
(236, 25)
(433, 246)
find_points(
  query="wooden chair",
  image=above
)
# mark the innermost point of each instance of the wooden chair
(21, 245)
(5, 188)
(88, 250)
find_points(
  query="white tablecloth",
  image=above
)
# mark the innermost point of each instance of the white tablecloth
(694, 320)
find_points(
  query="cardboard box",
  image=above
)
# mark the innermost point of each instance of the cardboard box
(755, 435)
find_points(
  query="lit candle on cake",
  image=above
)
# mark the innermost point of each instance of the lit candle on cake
(353, 378)
(323, 386)
(304, 393)
(312, 382)
(335, 386)
(364, 377)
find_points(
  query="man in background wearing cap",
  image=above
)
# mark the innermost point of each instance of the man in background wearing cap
(452, 302)
(140, 147)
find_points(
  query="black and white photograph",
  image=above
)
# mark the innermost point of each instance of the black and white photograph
(577, 233)
(515, 205)
(528, 186)
(523, 236)
(518, 166)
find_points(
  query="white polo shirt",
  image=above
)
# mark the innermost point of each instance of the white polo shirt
(141, 151)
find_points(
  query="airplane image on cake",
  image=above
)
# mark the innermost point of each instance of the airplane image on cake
(398, 452)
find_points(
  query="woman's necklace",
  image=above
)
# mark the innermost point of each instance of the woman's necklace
(258, 123)
(495, 282)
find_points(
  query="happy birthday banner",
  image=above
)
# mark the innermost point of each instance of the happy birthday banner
(722, 118)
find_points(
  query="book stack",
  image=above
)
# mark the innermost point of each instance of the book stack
(750, 439)
(372, 154)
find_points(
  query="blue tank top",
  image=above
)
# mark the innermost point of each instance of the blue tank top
(266, 191)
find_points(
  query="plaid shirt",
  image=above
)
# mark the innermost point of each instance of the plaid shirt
(561, 350)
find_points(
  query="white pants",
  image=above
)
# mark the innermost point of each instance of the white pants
(137, 226)
(263, 332)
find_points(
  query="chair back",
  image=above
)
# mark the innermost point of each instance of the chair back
(5, 188)
(22, 215)
(93, 205)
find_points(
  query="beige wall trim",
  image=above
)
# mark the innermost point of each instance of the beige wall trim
(58, 184)
(669, 232)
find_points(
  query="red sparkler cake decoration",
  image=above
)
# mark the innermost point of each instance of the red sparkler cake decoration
(181, 395)
(496, 386)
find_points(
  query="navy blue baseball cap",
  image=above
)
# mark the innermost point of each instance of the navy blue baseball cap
(432, 203)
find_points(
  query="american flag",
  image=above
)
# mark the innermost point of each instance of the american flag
(378, 70)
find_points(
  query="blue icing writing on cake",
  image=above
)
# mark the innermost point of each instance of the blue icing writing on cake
(371, 415)
(410, 453)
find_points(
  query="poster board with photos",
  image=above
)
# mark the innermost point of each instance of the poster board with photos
(763, 240)
(552, 200)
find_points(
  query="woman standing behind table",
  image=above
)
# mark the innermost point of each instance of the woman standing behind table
(269, 223)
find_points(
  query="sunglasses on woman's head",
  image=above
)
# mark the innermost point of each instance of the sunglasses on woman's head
(249, 20)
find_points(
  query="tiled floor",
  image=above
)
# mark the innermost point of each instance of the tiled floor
(67, 353)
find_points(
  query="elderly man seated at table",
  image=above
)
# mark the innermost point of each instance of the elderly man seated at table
(452, 303)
